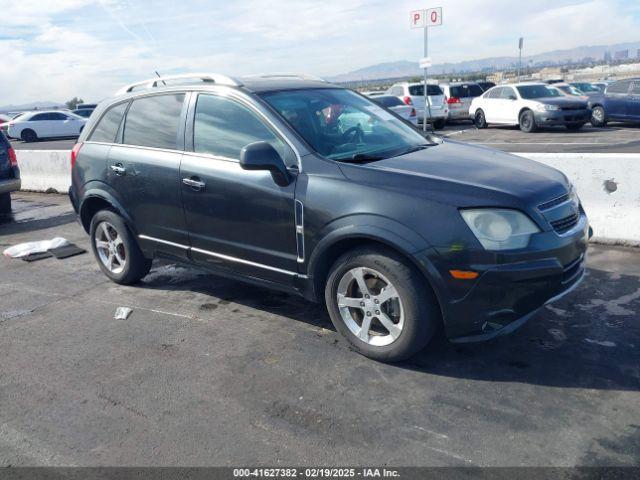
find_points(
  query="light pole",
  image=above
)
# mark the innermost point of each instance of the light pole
(520, 42)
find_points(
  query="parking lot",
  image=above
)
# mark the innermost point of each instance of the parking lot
(208, 371)
(615, 138)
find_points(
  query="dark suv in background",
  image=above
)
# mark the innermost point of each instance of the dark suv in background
(299, 185)
(9, 174)
(620, 102)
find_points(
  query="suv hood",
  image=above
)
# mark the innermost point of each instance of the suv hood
(453, 169)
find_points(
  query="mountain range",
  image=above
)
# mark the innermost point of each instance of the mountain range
(405, 68)
(31, 106)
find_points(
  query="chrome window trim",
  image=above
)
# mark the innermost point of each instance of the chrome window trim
(220, 255)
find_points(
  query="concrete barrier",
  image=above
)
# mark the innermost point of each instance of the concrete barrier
(45, 170)
(608, 185)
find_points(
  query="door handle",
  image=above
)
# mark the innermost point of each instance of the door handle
(194, 183)
(118, 169)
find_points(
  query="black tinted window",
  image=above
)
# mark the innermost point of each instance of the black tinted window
(107, 128)
(619, 87)
(388, 101)
(154, 121)
(466, 91)
(223, 127)
(57, 116)
(39, 117)
(418, 90)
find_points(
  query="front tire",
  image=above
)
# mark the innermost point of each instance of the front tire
(28, 136)
(381, 304)
(527, 122)
(598, 118)
(480, 120)
(116, 249)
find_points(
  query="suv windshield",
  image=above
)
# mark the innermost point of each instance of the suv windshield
(341, 125)
(418, 90)
(585, 87)
(538, 91)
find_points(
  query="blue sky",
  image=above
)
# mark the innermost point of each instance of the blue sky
(56, 49)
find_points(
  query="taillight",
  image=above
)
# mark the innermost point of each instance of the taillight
(74, 153)
(13, 160)
(413, 112)
(407, 100)
(453, 100)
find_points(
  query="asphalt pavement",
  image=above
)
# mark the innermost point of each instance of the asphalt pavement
(615, 138)
(207, 371)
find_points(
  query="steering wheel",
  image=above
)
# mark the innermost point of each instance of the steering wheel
(352, 135)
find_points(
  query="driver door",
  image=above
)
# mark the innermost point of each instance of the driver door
(237, 219)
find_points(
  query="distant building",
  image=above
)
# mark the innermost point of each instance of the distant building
(607, 57)
(621, 55)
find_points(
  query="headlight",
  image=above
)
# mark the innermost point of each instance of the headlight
(544, 107)
(500, 229)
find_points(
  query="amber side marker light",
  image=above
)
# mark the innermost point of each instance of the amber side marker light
(463, 274)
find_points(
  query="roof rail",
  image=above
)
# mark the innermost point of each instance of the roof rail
(301, 76)
(204, 77)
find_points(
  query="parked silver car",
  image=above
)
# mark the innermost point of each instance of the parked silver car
(459, 96)
(408, 112)
(413, 94)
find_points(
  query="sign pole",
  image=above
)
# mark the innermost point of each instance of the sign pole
(427, 104)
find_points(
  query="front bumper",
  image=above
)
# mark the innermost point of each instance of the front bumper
(563, 117)
(511, 287)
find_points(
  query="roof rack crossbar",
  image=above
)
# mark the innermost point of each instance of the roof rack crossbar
(301, 76)
(204, 77)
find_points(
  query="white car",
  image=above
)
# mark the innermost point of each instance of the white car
(529, 105)
(413, 94)
(32, 126)
(407, 112)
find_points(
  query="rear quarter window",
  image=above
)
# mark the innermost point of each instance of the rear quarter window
(107, 127)
(154, 121)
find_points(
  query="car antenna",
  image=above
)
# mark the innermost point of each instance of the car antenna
(159, 76)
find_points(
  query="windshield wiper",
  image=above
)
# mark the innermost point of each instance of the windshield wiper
(415, 148)
(361, 158)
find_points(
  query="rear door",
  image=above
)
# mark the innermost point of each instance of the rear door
(509, 106)
(616, 99)
(237, 219)
(144, 170)
(633, 107)
(491, 105)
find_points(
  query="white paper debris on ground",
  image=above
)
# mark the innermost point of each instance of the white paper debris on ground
(24, 249)
(122, 313)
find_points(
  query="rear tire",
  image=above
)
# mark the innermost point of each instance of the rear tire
(527, 122)
(439, 124)
(5, 203)
(116, 249)
(480, 120)
(598, 118)
(29, 135)
(399, 297)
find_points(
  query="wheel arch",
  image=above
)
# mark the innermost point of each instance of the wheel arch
(96, 200)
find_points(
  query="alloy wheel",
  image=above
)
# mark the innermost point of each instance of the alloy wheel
(110, 247)
(370, 306)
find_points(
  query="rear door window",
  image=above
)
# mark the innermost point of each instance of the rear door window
(619, 87)
(466, 91)
(222, 127)
(107, 128)
(418, 90)
(154, 121)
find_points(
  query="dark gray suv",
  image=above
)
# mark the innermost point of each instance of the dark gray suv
(296, 184)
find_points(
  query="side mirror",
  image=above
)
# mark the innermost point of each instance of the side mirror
(262, 156)
(512, 97)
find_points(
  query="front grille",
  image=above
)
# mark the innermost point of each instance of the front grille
(573, 107)
(565, 224)
(554, 202)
